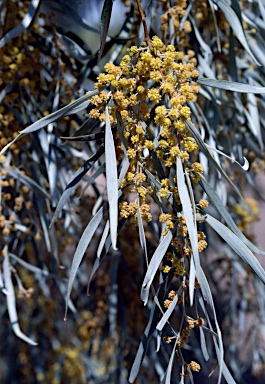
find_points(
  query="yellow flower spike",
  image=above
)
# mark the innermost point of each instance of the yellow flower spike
(149, 145)
(166, 269)
(163, 192)
(140, 177)
(174, 151)
(197, 167)
(131, 153)
(139, 130)
(154, 95)
(185, 112)
(155, 76)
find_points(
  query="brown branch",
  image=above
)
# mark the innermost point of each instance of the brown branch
(146, 34)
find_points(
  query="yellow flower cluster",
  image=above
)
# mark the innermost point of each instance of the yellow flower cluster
(148, 94)
(194, 366)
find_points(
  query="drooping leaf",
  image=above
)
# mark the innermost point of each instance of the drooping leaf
(2, 286)
(203, 344)
(103, 239)
(80, 250)
(95, 175)
(25, 23)
(149, 330)
(254, 118)
(237, 245)
(206, 152)
(167, 378)
(74, 181)
(111, 180)
(91, 137)
(29, 266)
(124, 169)
(235, 24)
(104, 24)
(46, 120)
(231, 86)
(215, 200)
(26, 180)
(141, 231)
(169, 311)
(191, 225)
(154, 265)
(206, 291)
(11, 301)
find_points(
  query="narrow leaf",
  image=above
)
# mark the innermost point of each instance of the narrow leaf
(112, 180)
(29, 266)
(215, 200)
(103, 239)
(231, 86)
(104, 24)
(235, 24)
(206, 152)
(203, 344)
(25, 23)
(80, 250)
(69, 190)
(11, 301)
(24, 179)
(191, 226)
(44, 121)
(237, 245)
(154, 265)
(169, 311)
(170, 365)
(141, 232)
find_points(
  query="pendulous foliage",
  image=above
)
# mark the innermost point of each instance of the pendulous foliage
(127, 145)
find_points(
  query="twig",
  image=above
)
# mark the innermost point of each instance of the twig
(146, 34)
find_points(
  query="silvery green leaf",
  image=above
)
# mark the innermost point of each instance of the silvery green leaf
(154, 265)
(237, 245)
(29, 266)
(11, 301)
(95, 175)
(255, 118)
(191, 225)
(141, 231)
(215, 200)
(235, 24)
(71, 186)
(46, 120)
(206, 291)
(2, 286)
(124, 169)
(169, 310)
(26, 180)
(144, 343)
(80, 250)
(203, 344)
(104, 24)
(111, 180)
(25, 23)
(196, 134)
(167, 378)
(231, 86)
(103, 239)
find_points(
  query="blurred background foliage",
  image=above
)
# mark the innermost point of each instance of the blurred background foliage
(49, 58)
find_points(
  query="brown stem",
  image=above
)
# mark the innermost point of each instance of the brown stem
(146, 34)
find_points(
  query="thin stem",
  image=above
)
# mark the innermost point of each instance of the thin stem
(146, 34)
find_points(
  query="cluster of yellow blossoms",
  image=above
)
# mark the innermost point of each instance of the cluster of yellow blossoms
(147, 96)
